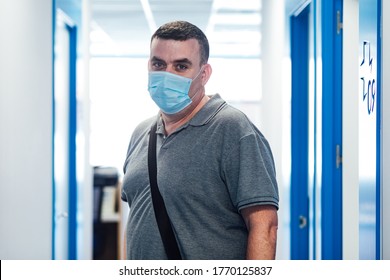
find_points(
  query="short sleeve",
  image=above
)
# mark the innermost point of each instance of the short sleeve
(250, 173)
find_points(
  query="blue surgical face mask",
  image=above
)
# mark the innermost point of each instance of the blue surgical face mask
(169, 91)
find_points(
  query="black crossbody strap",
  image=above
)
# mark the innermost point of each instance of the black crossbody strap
(163, 221)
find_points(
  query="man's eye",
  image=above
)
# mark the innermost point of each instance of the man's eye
(181, 67)
(157, 65)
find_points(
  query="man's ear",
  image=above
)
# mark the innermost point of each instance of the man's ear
(206, 73)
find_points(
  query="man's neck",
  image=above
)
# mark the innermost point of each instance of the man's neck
(173, 122)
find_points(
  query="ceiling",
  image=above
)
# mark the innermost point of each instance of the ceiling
(124, 27)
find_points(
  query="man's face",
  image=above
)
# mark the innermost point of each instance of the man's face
(177, 57)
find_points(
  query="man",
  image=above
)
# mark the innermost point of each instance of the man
(215, 169)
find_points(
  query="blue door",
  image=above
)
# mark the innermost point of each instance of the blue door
(316, 182)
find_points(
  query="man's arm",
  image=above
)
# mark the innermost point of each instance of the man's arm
(262, 224)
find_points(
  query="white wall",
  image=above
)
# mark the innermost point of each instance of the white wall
(386, 130)
(26, 129)
(272, 106)
(350, 130)
(85, 187)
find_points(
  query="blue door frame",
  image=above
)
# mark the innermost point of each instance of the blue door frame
(299, 24)
(379, 138)
(72, 128)
(72, 144)
(331, 173)
(331, 196)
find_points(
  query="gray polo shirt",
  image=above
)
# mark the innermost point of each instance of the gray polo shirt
(208, 170)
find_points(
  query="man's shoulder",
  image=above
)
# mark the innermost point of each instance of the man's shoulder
(235, 122)
(232, 116)
(144, 125)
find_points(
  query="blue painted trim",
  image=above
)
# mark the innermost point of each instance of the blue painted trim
(53, 131)
(378, 134)
(299, 133)
(72, 162)
(72, 144)
(331, 199)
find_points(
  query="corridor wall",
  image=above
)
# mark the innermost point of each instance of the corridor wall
(26, 88)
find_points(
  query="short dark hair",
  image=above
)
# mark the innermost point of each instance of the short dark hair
(182, 31)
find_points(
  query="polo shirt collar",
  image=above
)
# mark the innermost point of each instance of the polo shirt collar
(207, 113)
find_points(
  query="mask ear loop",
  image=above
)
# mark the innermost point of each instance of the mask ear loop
(197, 75)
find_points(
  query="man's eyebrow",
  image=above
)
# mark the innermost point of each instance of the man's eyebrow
(184, 60)
(155, 58)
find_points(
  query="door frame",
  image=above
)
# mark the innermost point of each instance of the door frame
(71, 214)
(299, 28)
(331, 185)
